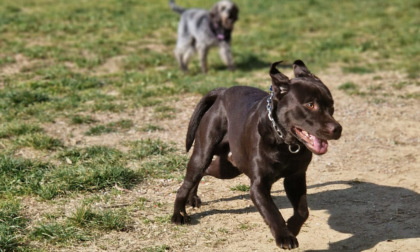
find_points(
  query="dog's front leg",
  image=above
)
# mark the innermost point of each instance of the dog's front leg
(295, 187)
(202, 55)
(226, 54)
(260, 195)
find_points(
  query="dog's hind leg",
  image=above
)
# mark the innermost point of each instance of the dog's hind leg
(202, 55)
(187, 193)
(208, 136)
(183, 54)
(223, 168)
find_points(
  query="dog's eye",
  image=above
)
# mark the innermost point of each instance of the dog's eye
(310, 105)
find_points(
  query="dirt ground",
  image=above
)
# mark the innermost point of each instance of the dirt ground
(363, 195)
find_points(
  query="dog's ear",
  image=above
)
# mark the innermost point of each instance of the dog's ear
(214, 14)
(300, 69)
(280, 82)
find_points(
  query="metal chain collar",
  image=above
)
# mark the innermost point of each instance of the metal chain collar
(277, 128)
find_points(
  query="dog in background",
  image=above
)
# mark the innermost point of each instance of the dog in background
(199, 30)
(266, 137)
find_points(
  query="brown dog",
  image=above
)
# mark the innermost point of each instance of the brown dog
(265, 136)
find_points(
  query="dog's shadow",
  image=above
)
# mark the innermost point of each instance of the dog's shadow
(371, 213)
(248, 62)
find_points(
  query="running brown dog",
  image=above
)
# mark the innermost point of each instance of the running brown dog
(266, 137)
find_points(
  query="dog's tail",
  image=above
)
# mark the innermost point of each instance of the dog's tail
(205, 103)
(175, 7)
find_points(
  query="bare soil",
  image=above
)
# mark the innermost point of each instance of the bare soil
(363, 195)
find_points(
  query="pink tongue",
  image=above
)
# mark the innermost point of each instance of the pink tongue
(320, 146)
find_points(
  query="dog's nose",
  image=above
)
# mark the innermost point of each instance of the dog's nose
(335, 130)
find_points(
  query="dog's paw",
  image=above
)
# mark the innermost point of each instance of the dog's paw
(295, 223)
(287, 242)
(180, 218)
(194, 201)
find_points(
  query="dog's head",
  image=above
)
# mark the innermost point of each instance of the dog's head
(224, 13)
(304, 107)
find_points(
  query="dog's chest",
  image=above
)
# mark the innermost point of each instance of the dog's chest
(284, 163)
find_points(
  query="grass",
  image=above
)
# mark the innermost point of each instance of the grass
(107, 220)
(81, 119)
(12, 226)
(57, 233)
(67, 65)
(170, 166)
(151, 128)
(149, 147)
(241, 188)
(24, 177)
(13, 129)
(349, 87)
(110, 127)
(40, 141)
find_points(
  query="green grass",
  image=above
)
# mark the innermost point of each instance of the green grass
(12, 226)
(107, 220)
(151, 128)
(20, 176)
(149, 147)
(83, 224)
(93, 169)
(58, 233)
(40, 141)
(169, 166)
(241, 188)
(161, 248)
(350, 88)
(13, 129)
(81, 119)
(110, 127)
(70, 64)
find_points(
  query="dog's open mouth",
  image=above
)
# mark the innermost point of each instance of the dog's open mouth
(316, 145)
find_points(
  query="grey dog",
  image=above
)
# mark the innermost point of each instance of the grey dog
(200, 29)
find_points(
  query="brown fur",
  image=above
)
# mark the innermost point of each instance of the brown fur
(233, 125)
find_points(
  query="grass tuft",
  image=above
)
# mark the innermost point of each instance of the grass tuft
(40, 141)
(106, 220)
(110, 127)
(18, 129)
(12, 226)
(349, 88)
(58, 233)
(21, 176)
(169, 166)
(149, 147)
(241, 188)
(80, 119)
(25, 98)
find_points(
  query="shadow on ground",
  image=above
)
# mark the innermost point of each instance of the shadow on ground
(250, 62)
(371, 213)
